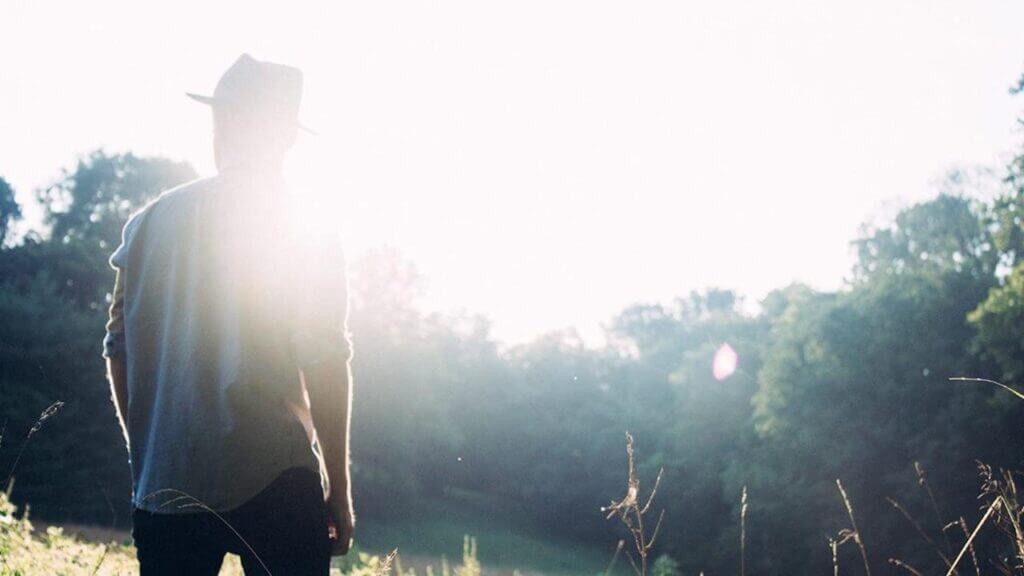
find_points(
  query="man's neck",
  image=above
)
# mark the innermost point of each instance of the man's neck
(259, 169)
(256, 181)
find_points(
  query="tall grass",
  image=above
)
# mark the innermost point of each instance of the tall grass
(24, 551)
(632, 513)
(1004, 511)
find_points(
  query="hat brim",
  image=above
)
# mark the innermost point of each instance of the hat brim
(210, 101)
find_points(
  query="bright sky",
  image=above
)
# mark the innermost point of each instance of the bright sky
(546, 163)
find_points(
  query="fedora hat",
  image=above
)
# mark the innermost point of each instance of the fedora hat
(258, 87)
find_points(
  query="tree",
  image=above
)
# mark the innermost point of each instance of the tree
(998, 319)
(1000, 324)
(855, 385)
(53, 299)
(947, 233)
(91, 203)
(10, 211)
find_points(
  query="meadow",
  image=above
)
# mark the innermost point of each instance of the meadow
(26, 550)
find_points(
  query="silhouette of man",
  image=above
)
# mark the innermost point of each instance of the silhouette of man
(228, 355)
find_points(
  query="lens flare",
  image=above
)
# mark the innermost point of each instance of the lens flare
(725, 362)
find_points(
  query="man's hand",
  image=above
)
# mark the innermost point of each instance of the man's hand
(342, 524)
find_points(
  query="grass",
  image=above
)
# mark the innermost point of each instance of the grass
(26, 551)
(434, 534)
(436, 527)
(430, 533)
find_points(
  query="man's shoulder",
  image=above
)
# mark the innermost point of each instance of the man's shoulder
(181, 195)
(172, 199)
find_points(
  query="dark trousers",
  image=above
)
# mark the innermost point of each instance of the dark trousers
(285, 525)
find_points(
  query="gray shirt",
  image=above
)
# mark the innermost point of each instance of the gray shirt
(223, 295)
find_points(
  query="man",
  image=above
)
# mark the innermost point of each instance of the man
(228, 355)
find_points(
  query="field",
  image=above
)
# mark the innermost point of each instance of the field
(433, 540)
(506, 543)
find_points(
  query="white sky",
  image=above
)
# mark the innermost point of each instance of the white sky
(547, 163)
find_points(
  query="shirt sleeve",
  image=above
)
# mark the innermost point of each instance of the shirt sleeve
(119, 258)
(114, 342)
(321, 330)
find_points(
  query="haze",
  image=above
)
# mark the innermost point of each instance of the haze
(547, 163)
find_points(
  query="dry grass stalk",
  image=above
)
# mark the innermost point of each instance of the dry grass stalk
(834, 547)
(50, 412)
(385, 566)
(103, 556)
(615, 557)
(184, 500)
(970, 540)
(919, 529)
(901, 564)
(922, 481)
(632, 513)
(1005, 504)
(970, 546)
(1003, 489)
(993, 382)
(743, 532)
(852, 533)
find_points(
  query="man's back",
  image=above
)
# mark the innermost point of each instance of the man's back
(212, 298)
(228, 354)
